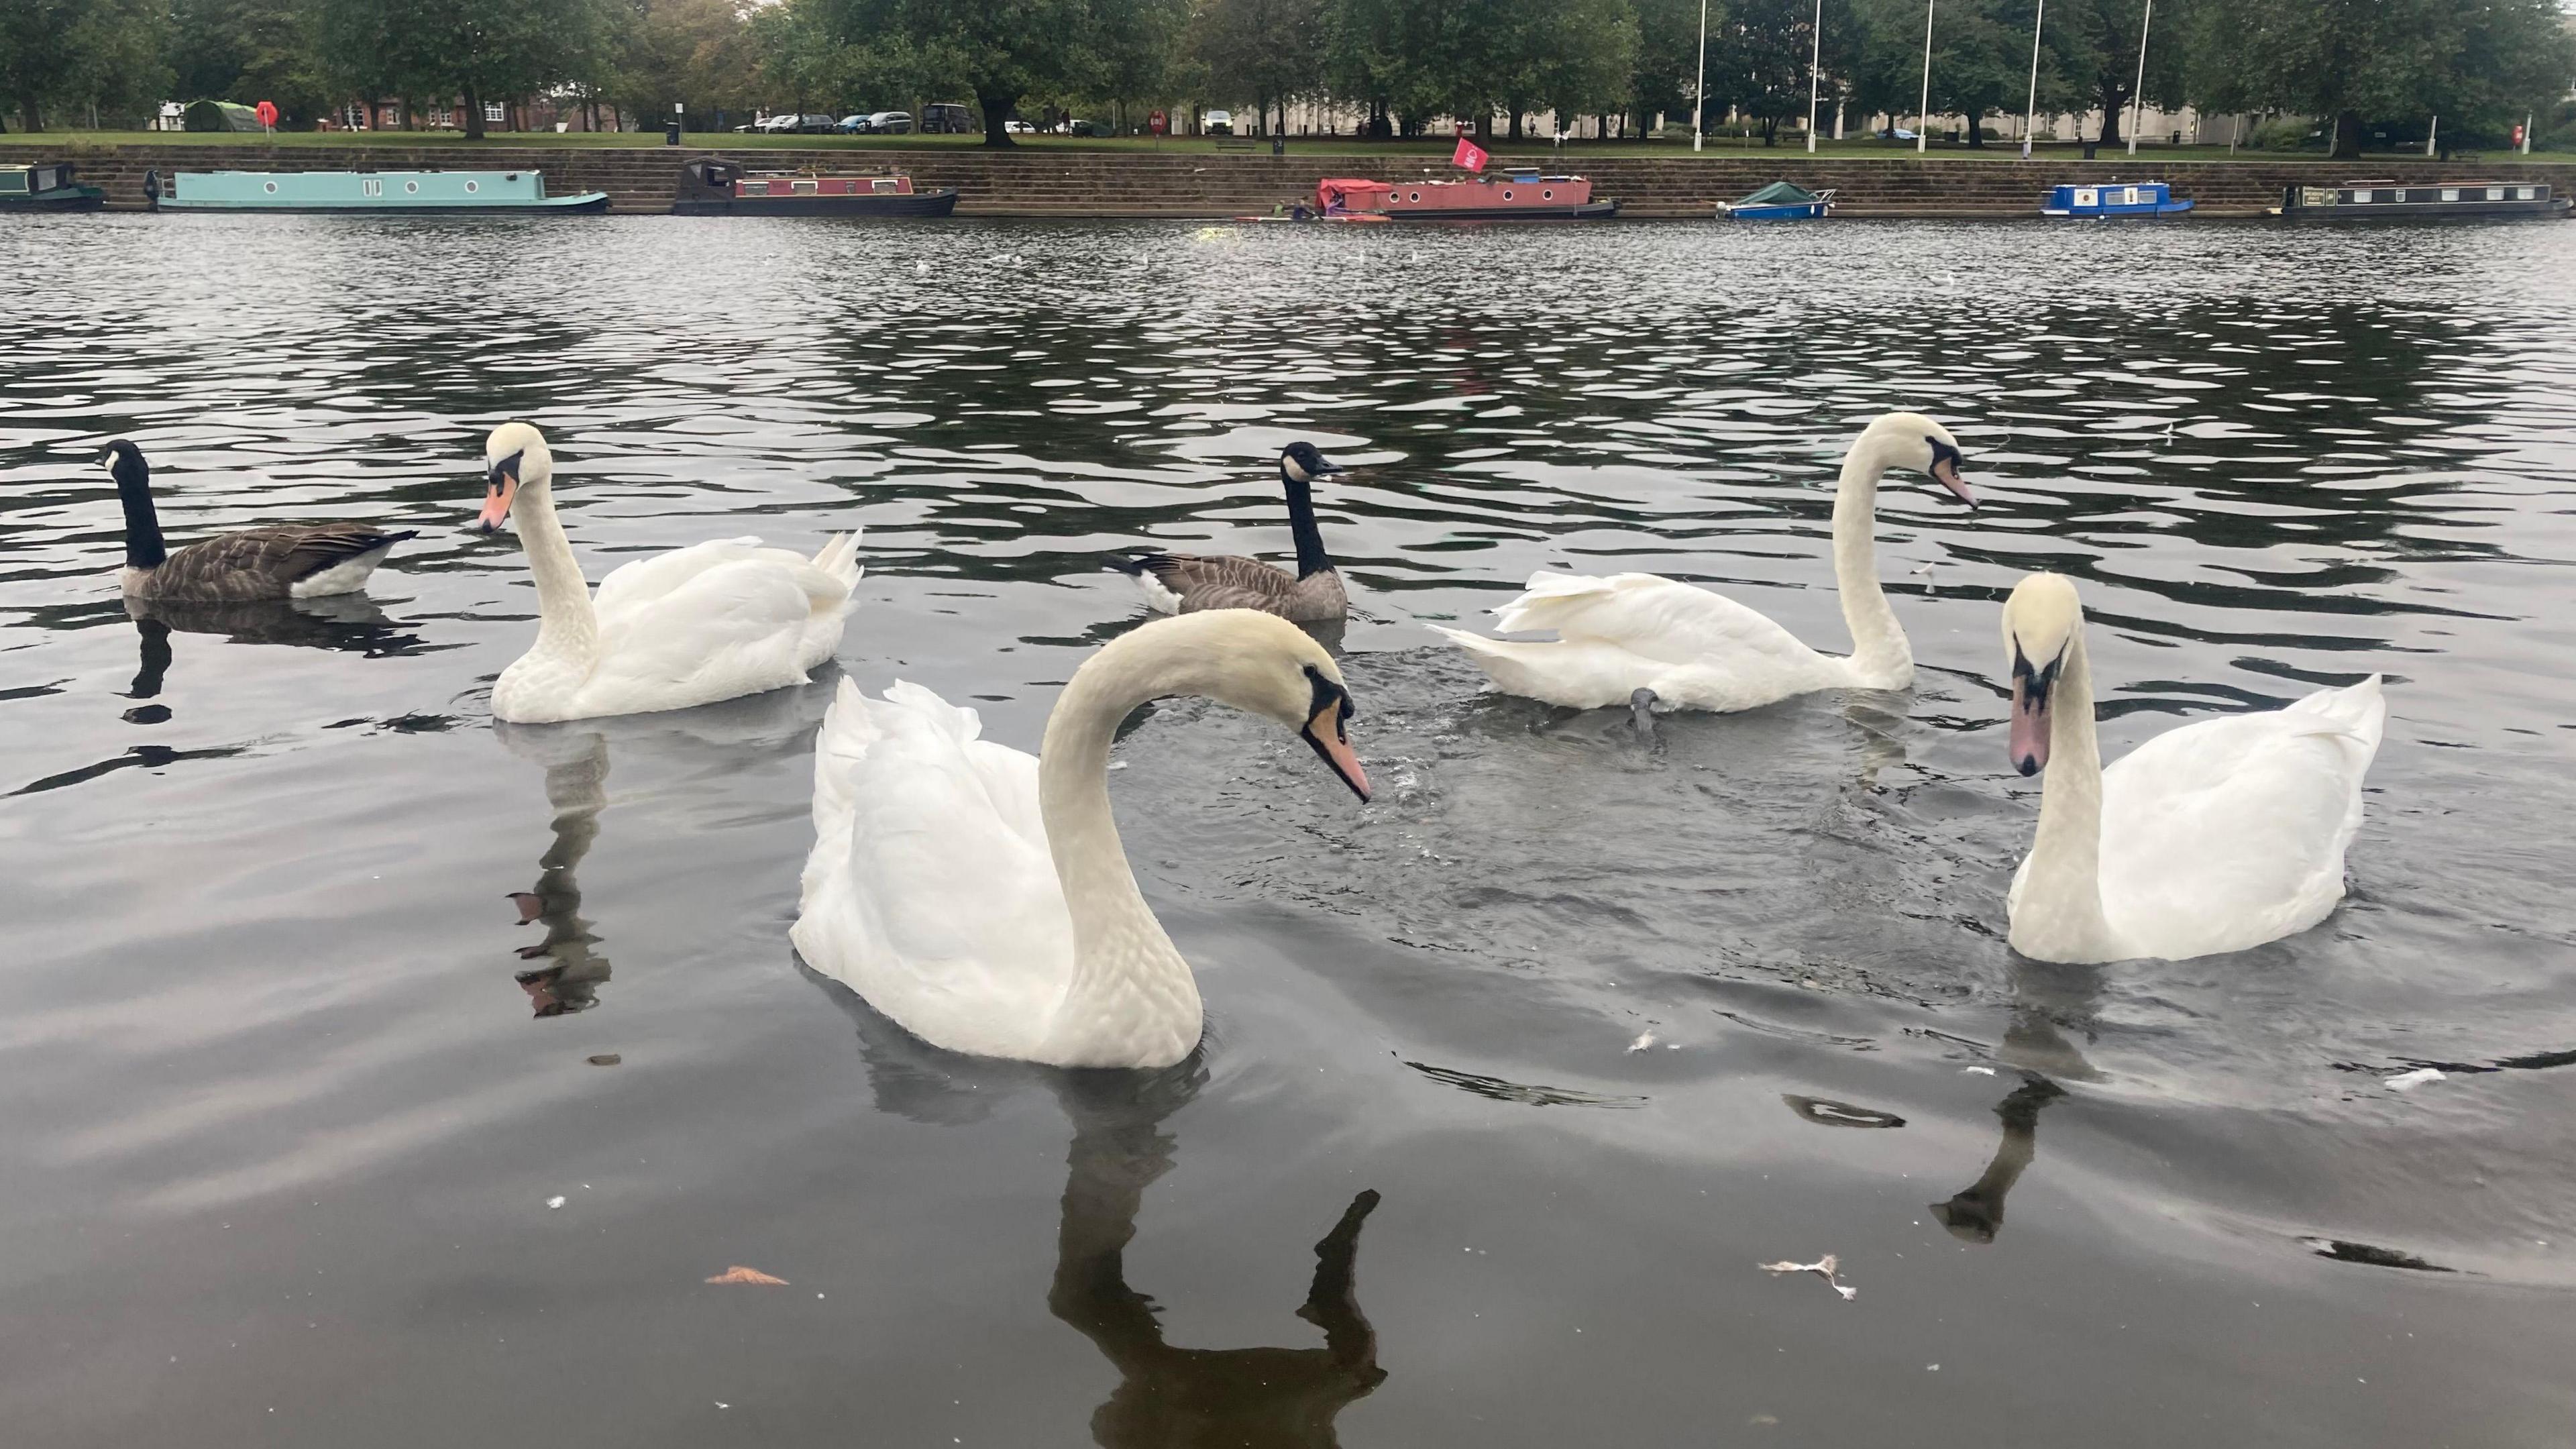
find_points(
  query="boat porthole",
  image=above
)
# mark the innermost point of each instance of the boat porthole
(272, 186)
(473, 185)
(1548, 195)
(411, 186)
(1417, 196)
(1507, 196)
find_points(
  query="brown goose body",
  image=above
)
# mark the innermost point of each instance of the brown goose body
(283, 561)
(1200, 581)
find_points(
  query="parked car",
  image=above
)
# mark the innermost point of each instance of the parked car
(779, 124)
(887, 123)
(1219, 123)
(1071, 127)
(852, 125)
(949, 118)
(1017, 127)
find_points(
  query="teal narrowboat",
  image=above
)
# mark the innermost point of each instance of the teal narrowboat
(361, 191)
(46, 186)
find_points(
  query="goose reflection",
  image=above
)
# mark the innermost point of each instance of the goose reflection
(1167, 1397)
(1976, 1213)
(577, 787)
(350, 622)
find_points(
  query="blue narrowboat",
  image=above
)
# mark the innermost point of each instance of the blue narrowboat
(361, 191)
(1779, 201)
(2119, 198)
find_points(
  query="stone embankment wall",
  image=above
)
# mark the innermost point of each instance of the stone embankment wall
(1046, 182)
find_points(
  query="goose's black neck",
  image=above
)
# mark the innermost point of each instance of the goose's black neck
(143, 546)
(1311, 558)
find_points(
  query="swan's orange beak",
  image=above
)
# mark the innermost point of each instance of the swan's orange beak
(1945, 471)
(500, 486)
(2028, 748)
(1325, 733)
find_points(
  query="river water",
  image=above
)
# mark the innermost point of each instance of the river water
(1512, 1077)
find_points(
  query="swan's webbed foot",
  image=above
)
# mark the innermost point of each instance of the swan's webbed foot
(1641, 711)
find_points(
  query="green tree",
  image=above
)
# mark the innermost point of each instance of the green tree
(249, 50)
(1980, 56)
(2092, 52)
(112, 63)
(33, 35)
(1002, 50)
(2350, 61)
(1270, 50)
(473, 50)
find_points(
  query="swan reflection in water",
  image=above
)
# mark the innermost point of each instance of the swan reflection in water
(1168, 1397)
(708, 747)
(576, 762)
(1976, 1213)
(2035, 1044)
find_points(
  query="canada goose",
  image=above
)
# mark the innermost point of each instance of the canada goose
(282, 561)
(1182, 583)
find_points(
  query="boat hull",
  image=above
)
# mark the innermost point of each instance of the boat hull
(1588, 211)
(69, 198)
(390, 193)
(1811, 211)
(2114, 201)
(942, 202)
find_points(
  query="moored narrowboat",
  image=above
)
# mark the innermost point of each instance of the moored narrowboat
(1779, 201)
(2371, 200)
(1514, 195)
(46, 186)
(712, 186)
(2118, 199)
(361, 191)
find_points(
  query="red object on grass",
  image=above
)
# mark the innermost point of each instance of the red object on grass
(1469, 156)
(267, 113)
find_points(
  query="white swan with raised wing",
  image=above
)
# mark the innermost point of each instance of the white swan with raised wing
(712, 621)
(2217, 836)
(979, 895)
(1651, 642)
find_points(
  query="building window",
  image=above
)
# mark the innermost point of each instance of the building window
(494, 113)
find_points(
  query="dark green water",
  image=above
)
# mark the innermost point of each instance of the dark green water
(280, 1121)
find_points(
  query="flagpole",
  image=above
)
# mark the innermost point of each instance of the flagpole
(1922, 107)
(2137, 102)
(1699, 88)
(1815, 66)
(2030, 113)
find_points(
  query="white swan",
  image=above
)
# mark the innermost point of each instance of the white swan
(2216, 836)
(979, 896)
(689, 627)
(1645, 641)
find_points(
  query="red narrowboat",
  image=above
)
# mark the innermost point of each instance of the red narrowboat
(712, 186)
(1514, 195)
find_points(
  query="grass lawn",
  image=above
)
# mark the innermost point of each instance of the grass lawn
(1716, 146)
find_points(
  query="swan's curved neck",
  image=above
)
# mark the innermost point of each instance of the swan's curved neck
(2060, 916)
(1129, 982)
(1879, 651)
(1311, 558)
(566, 626)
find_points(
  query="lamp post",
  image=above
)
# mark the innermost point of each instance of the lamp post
(1815, 65)
(1699, 88)
(1922, 107)
(2137, 102)
(2030, 112)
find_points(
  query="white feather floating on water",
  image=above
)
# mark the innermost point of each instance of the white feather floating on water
(1644, 1040)
(2409, 1081)
(1826, 1267)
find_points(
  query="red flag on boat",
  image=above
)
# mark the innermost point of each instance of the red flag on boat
(1469, 156)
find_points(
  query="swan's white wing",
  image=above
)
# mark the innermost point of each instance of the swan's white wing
(737, 627)
(1615, 635)
(826, 579)
(2230, 832)
(929, 890)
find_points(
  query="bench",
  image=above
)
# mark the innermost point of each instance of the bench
(1240, 143)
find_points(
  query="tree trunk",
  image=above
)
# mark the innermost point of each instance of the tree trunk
(997, 115)
(2347, 135)
(2114, 100)
(473, 113)
(1977, 131)
(28, 117)
(1516, 121)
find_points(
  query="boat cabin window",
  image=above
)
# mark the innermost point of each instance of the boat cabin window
(803, 186)
(884, 183)
(755, 188)
(2450, 193)
(2522, 193)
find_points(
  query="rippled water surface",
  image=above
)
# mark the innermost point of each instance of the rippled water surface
(1513, 1076)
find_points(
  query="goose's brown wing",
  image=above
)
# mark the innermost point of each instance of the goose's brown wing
(1223, 582)
(265, 563)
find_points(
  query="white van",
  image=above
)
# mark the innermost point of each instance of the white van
(1219, 123)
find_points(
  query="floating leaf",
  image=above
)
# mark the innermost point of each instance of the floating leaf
(740, 1274)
